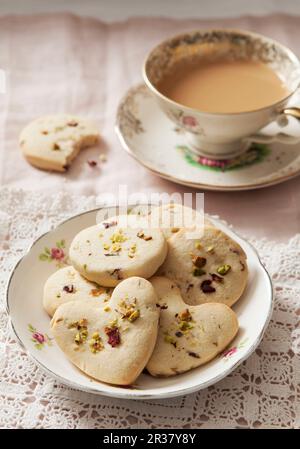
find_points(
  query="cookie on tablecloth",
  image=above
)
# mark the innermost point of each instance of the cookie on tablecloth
(53, 141)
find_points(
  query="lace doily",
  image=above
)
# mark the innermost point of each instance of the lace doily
(263, 392)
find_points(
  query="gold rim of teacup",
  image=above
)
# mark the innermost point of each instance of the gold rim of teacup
(290, 54)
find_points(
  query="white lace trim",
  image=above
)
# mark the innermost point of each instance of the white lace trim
(262, 392)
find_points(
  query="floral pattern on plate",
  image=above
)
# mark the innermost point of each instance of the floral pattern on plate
(39, 339)
(148, 135)
(56, 253)
(255, 154)
(234, 349)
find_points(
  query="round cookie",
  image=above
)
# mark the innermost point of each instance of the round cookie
(212, 268)
(111, 342)
(171, 217)
(53, 141)
(65, 285)
(107, 253)
(188, 336)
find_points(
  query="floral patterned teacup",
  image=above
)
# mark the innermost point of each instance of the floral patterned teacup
(221, 135)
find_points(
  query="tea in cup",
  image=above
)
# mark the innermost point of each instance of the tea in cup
(222, 87)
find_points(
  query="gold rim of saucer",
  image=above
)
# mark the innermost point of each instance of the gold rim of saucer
(216, 188)
(287, 50)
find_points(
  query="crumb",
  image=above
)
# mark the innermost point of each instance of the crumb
(102, 157)
(92, 163)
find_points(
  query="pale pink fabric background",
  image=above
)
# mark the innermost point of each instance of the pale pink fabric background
(58, 63)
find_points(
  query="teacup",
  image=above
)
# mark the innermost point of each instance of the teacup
(224, 135)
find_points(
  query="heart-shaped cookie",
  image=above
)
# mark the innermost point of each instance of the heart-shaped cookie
(188, 336)
(212, 268)
(110, 342)
(66, 284)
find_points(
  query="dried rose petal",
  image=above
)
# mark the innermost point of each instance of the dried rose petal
(242, 265)
(68, 288)
(206, 286)
(114, 338)
(216, 278)
(108, 225)
(92, 163)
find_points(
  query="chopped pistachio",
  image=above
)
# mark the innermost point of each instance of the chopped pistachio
(83, 322)
(77, 338)
(198, 245)
(95, 343)
(185, 326)
(107, 309)
(169, 339)
(81, 336)
(106, 246)
(118, 237)
(223, 269)
(128, 309)
(134, 316)
(198, 272)
(116, 247)
(210, 249)
(113, 323)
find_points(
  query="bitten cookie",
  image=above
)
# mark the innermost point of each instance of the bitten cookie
(52, 142)
(188, 336)
(66, 284)
(107, 253)
(112, 342)
(210, 269)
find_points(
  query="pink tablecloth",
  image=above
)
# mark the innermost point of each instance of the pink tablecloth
(61, 63)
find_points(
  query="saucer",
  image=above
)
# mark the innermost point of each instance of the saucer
(31, 324)
(153, 140)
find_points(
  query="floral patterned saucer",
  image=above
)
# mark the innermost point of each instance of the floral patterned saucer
(153, 140)
(31, 324)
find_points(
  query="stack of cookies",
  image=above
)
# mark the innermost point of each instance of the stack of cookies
(137, 297)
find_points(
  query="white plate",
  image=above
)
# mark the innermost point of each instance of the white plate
(153, 140)
(24, 304)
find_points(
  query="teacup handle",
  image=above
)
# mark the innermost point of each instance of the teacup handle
(280, 137)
